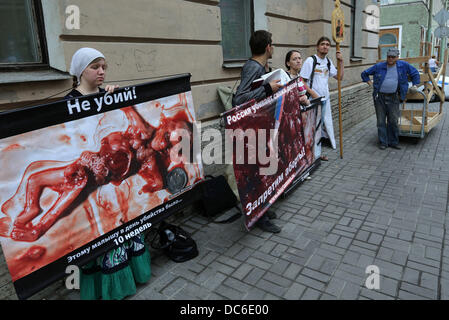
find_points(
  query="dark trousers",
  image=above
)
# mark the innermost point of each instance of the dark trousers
(387, 113)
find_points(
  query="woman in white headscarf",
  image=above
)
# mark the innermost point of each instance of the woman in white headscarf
(114, 274)
(88, 69)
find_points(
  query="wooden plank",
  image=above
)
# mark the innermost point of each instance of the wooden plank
(417, 120)
(443, 79)
(406, 126)
(433, 121)
(424, 77)
(435, 85)
(414, 96)
(406, 117)
(410, 128)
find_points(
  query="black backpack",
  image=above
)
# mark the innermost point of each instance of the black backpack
(315, 62)
(177, 243)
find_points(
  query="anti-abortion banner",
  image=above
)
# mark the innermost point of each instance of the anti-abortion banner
(81, 176)
(273, 142)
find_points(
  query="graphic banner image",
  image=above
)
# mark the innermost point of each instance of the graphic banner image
(273, 144)
(81, 176)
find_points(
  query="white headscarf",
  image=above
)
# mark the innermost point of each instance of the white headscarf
(81, 59)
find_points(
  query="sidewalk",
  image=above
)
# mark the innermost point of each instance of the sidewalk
(385, 208)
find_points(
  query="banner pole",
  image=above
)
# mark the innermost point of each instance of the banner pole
(338, 31)
(339, 103)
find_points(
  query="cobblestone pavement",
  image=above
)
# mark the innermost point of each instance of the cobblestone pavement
(385, 208)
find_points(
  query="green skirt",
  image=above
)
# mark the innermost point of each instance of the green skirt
(117, 280)
(90, 281)
(113, 276)
(141, 266)
(118, 285)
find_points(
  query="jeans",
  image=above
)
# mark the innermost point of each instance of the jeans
(387, 113)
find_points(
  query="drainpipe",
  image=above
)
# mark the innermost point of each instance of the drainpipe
(429, 25)
(444, 40)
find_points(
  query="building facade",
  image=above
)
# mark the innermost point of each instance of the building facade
(144, 40)
(404, 24)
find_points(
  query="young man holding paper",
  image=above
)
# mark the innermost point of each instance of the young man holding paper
(254, 68)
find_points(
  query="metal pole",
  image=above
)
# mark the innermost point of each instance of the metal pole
(443, 40)
(429, 27)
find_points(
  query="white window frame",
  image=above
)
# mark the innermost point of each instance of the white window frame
(400, 35)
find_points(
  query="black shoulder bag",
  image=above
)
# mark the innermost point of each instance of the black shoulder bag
(217, 196)
(177, 243)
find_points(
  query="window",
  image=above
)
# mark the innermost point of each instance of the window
(388, 38)
(236, 29)
(356, 31)
(23, 43)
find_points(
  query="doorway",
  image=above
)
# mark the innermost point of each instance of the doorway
(389, 37)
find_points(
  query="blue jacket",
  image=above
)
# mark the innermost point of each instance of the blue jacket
(379, 70)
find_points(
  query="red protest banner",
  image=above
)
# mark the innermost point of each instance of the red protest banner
(81, 176)
(272, 143)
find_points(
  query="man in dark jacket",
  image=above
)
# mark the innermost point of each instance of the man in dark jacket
(390, 84)
(254, 68)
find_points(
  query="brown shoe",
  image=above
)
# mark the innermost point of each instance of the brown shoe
(324, 158)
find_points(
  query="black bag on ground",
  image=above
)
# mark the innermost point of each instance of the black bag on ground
(217, 197)
(177, 243)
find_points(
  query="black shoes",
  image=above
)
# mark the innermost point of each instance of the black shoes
(383, 147)
(271, 214)
(265, 224)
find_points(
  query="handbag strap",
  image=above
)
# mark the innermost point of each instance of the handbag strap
(156, 236)
(154, 246)
(177, 232)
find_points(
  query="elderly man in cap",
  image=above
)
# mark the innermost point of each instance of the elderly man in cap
(390, 85)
